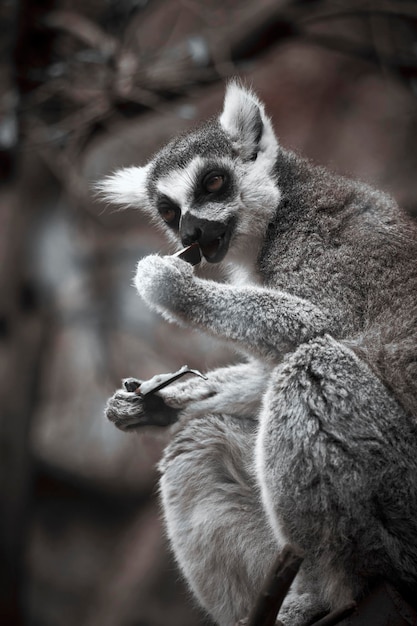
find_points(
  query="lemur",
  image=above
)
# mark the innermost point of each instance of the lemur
(311, 439)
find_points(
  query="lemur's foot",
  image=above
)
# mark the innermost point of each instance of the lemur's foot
(298, 610)
(129, 410)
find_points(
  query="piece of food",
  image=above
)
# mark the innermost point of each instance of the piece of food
(191, 254)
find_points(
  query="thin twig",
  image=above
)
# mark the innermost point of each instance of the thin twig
(389, 10)
(335, 617)
(276, 587)
(83, 29)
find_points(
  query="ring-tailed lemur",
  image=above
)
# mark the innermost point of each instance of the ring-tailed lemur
(313, 439)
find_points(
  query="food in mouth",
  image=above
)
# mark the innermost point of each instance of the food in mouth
(214, 250)
(191, 254)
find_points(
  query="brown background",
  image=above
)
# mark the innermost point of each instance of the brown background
(87, 87)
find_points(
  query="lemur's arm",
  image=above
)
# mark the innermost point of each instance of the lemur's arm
(261, 320)
(234, 390)
(264, 321)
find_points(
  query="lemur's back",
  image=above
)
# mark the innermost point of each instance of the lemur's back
(351, 249)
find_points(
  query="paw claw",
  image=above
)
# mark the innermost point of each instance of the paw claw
(131, 384)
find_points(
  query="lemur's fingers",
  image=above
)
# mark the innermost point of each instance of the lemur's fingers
(163, 280)
(131, 384)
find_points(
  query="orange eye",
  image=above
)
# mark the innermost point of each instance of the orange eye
(168, 214)
(169, 211)
(213, 182)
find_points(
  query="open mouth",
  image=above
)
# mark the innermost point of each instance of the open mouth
(211, 251)
(214, 250)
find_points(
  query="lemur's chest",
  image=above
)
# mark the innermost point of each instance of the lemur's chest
(243, 268)
(240, 275)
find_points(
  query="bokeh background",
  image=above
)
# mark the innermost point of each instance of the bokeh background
(87, 86)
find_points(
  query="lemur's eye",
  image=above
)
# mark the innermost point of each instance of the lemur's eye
(167, 214)
(213, 182)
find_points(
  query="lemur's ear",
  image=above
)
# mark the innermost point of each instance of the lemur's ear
(126, 187)
(244, 120)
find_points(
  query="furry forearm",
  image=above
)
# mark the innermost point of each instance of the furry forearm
(269, 322)
(235, 390)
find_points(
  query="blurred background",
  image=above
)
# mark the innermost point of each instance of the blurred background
(87, 86)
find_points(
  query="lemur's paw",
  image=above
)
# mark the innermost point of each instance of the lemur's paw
(129, 410)
(161, 280)
(125, 409)
(300, 610)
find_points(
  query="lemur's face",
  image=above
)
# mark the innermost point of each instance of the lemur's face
(214, 186)
(193, 185)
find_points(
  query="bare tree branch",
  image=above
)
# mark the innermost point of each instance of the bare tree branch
(336, 616)
(276, 587)
(83, 29)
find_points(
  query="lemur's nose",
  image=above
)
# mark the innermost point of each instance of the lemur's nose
(190, 229)
(193, 228)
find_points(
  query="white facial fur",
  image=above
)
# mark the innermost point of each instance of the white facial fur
(126, 187)
(178, 185)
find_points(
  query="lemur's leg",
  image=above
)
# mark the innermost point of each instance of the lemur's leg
(236, 389)
(264, 321)
(338, 475)
(214, 517)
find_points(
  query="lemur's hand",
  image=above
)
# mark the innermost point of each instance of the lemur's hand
(129, 410)
(163, 281)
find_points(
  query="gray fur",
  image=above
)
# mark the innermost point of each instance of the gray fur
(312, 439)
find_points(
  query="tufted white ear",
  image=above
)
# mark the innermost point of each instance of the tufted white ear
(244, 120)
(126, 187)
